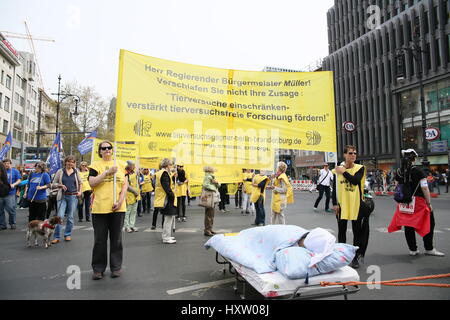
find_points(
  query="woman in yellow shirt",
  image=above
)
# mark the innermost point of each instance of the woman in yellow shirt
(86, 192)
(347, 197)
(107, 213)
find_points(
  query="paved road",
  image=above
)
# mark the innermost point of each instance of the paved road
(188, 271)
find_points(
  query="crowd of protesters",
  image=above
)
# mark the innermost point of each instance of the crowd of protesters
(89, 188)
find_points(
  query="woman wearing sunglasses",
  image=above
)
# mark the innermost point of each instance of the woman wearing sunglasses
(108, 214)
(347, 200)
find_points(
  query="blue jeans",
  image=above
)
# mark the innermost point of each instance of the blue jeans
(8, 204)
(67, 207)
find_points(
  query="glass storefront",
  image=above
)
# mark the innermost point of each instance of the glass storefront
(437, 108)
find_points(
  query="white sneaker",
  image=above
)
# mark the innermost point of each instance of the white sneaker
(170, 241)
(434, 252)
(414, 253)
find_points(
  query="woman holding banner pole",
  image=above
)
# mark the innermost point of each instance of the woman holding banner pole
(282, 194)
(107, 180)
(166, 200)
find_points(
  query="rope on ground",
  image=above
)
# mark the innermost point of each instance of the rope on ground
(395, 282)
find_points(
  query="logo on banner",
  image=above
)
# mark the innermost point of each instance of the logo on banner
(349, 126)
(432, 134)
(142, 128)
(313, 137)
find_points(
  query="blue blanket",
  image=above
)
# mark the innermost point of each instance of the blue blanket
(256, 248)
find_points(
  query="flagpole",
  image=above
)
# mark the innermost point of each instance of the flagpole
(115, 177)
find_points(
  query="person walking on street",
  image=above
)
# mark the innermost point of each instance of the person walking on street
(247, 206)
(5, 188)
(260, 182)
(36, 193)
(325, 179)
(447, 180)
(86, 193)
(282, 194)
(133, 196)
(422, 218)
(8, 203)
(224, 198)
(165, 199)
(347, 198)
(210, 184)
(146, 191)
(182, 192)
(69, 183)
(108, 213)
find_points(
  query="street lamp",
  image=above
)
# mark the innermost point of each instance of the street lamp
(416, 51)
(64, 95)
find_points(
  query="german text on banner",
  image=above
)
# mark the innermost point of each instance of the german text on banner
(169, 105)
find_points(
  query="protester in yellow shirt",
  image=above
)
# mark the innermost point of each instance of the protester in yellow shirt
(166, 200)
(133, 196)
(259, 184)
(247, 206)
(108, 213)
(181, 192)
(347, 197)
(86, 193)
(282, 194)
(146, 192)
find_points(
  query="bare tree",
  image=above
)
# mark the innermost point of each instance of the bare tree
(89, 114)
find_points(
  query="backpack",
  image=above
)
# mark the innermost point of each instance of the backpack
(403, 191)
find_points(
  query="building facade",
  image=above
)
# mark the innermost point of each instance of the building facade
(20, 98)
(9, 60)
(364, 41)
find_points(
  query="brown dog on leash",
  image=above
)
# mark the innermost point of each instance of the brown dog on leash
(44, 229)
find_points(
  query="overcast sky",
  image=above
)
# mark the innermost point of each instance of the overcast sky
(231, 34)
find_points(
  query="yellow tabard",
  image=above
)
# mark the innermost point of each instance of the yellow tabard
(103, 193)
(181, 190)
(256, 192)
(248, 188)
(84, 179)
(280, 200)
(133, 181)
(147, 186)
(160, 194)
(348, 195)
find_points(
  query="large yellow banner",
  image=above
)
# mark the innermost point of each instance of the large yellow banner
(204, 115)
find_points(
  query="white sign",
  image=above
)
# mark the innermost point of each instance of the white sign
(432, 134)
(349, 126)
(330, 157)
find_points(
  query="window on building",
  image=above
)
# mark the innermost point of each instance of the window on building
(7, 103)
(8, 82)
(427, 54)
(5, 127)
(19, 135)
(438, 53)
(22, 101)
(426, 23)
(26, 137)
(18, 81)
(1, 99)
(431, 97)
(14, 133)
(444, 94)
(436, 16)
(2, 77)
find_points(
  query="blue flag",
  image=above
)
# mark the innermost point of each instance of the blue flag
(54, 158)
(86, 145)
(6, 146)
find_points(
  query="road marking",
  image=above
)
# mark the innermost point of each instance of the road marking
(200, 286)
(188, 230)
